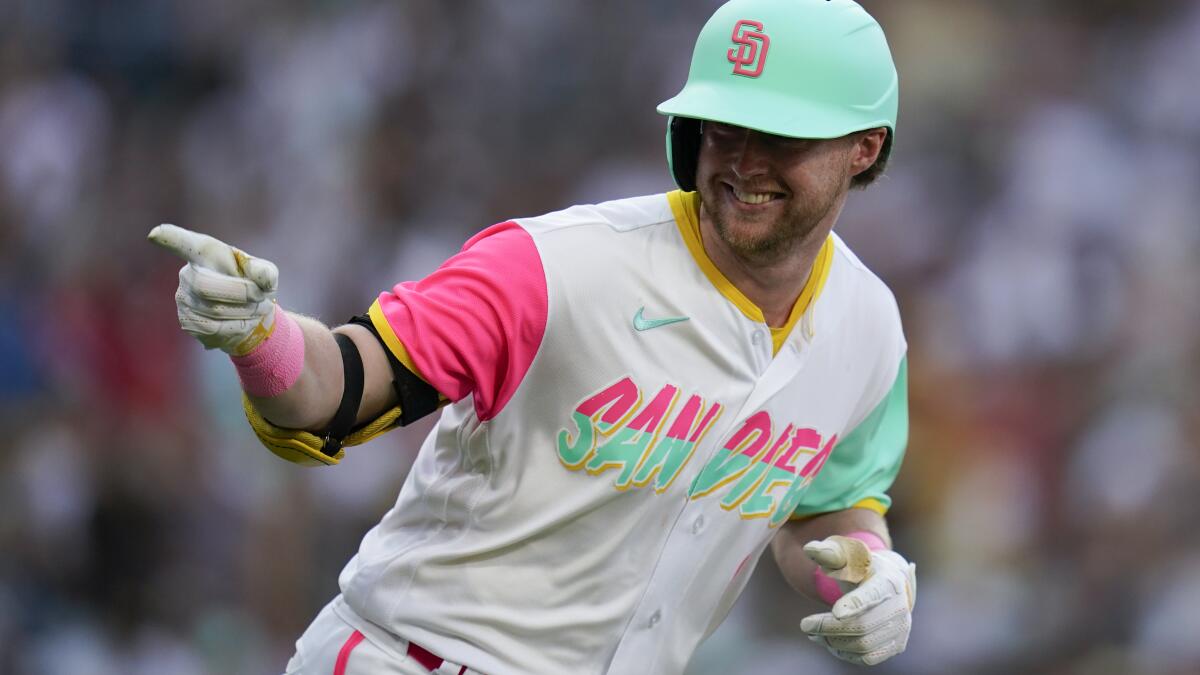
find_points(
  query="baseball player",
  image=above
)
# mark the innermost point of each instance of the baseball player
(637, 397)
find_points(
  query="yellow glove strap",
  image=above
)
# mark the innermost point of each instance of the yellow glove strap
(304, 447)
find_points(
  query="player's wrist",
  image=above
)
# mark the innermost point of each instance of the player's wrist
(871, 539)
(274, 364)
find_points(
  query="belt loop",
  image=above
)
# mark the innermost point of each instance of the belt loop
(428, 660)
(435, 664)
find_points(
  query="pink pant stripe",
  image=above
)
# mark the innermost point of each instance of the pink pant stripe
(343, 656)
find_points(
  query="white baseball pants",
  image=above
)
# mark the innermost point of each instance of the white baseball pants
(332, 646)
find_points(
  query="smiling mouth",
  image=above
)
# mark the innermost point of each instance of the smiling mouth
(753, 198)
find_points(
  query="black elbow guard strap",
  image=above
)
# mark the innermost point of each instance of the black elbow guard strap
(417, 397)
(352, 390)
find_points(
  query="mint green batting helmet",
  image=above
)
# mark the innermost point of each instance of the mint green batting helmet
(798, 68)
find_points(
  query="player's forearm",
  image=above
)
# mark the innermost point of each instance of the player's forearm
(788, 545)
(311, 401)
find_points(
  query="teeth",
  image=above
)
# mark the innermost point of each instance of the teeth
(752, 197)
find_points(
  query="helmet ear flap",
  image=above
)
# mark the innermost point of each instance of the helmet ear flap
(683, 150)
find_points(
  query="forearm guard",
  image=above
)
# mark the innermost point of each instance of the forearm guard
(304, 447)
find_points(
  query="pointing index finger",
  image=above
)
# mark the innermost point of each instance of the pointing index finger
(199, 249)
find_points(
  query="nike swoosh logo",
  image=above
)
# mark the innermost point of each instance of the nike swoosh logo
(641, 323)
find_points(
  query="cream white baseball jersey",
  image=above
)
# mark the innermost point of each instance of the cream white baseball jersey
(625, 437)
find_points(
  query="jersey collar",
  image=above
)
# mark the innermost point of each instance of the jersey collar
(685, 206)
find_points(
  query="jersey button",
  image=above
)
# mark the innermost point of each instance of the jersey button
(654, 619)
(698, 526)
(756, 337)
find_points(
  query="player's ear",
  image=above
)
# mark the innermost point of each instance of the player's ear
(866, 148)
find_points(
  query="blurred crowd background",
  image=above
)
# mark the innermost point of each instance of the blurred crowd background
(1039, 224)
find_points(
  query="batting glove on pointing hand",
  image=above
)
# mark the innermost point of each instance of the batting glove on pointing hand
(871, 622)
(226, 299)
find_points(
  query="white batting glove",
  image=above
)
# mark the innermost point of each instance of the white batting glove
(871, 622)
(226, 299)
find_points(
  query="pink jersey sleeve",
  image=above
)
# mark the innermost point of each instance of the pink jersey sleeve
(474, 325)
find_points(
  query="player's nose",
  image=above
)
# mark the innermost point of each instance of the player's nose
(750, 157)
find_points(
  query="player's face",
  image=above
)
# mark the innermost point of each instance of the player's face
(764, 193)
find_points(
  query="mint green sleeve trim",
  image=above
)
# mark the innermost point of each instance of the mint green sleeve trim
(864, 464)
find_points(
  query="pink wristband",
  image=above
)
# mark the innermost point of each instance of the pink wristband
(827, 587)
(276, 363)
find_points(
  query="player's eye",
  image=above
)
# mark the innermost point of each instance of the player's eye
(721, 133)
(785, 143)
(721, 130)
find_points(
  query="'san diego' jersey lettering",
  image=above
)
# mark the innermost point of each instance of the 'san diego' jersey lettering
(771, 467)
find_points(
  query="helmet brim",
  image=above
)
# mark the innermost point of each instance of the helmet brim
(760, 109)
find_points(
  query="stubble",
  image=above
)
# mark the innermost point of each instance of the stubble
(772, 240)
